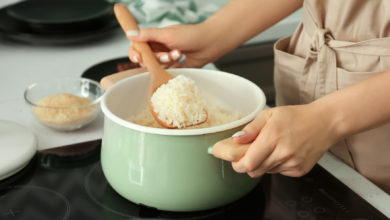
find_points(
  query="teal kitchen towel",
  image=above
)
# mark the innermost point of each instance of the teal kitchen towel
(169, 12)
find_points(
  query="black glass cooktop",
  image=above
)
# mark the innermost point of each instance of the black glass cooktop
(68, 183)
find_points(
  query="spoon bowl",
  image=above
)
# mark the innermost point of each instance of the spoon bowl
(158, 75)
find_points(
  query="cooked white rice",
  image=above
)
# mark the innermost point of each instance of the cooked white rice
(179, 103)
(216, 116)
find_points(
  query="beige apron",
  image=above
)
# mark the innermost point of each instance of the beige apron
(339, 43)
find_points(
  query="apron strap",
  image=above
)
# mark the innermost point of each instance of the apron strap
(320, 36)
(373, 47)
(323, 49)
(324, 81)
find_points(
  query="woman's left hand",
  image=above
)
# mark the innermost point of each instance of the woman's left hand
(287, 140)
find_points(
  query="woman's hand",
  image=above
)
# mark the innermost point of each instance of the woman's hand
(222, 32)
(175, 46)
(287, 140)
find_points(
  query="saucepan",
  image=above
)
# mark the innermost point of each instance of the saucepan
(172, 169)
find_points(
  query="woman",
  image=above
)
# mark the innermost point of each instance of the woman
(332, 79)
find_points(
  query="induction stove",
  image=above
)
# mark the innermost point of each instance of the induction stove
(68, 183)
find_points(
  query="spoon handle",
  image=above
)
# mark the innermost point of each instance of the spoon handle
(227, 149)
(127, 22)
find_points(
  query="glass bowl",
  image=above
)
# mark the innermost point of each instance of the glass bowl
(64, 104)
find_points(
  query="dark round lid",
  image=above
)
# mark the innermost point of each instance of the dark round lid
(59, 11)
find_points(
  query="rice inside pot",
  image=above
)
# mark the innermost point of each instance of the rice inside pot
(216, 116)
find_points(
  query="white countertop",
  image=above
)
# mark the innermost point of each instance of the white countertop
(22, 64)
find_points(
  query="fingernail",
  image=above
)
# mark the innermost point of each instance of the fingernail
(210, 150)
(164, 58)
(238, 134)
(175, 54)
(132, 33)
(135, 58)
(183, 57)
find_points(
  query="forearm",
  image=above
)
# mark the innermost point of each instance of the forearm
(358, 107)
(240, 20)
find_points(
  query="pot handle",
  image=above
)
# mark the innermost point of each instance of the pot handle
(228, 150)
(109, 80)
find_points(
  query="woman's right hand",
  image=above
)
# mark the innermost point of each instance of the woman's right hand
(175, 46)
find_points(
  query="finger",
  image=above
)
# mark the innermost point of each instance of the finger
(165, 60)
(292, 173)
(269, 165)
(134, 56)
(131, 34)
(182, 59)
(163, 57)
(257, 152)
(286, 161)
(146, 35)
(291, 168)
(251, 130)
(175, 55)
(158, 47)
(278, 169)
(180, 63)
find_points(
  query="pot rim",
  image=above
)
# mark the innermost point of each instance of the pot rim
(185, 132)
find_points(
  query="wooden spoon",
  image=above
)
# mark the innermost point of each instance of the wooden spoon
(158, 75)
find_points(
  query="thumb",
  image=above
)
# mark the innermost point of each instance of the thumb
(249, 133)
(146, 35)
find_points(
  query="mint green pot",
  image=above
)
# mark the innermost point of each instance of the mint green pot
(171, 169)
